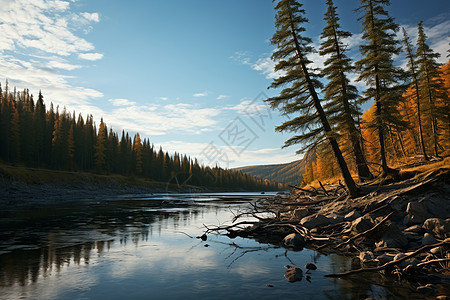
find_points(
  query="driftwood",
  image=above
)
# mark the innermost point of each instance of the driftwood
(391, 263)
(324, 190)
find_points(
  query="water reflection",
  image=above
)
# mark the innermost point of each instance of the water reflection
(145, 247)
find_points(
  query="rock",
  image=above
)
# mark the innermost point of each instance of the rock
(442, 297)
(413, 237)
(437, 204)
(416, 213)
(415, 229)
(438, 227)
(438, 251)
(352, 215)
(392, 236)
(385, 258)
(407, 262)
(335, 218)
(310, 266)
(316, 220)
(362, 224)
(293, 274)
(294, 240)
(428, 239)
(301, 212)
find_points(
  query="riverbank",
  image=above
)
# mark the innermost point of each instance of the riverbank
(22, 186)
(401, 229)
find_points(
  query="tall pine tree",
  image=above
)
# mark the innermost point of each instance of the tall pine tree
(340, 94)
(432, 86)
(377, 70)
(301, 97)
(412, 72)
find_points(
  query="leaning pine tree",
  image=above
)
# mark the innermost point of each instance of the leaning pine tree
(377, 70)
(301, 97)
(339, 93)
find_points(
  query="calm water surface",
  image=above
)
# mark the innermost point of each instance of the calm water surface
(145, 247)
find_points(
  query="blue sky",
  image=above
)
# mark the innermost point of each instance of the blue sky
(190, 75)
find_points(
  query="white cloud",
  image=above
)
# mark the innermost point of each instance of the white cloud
(160, 119)
(220, 97)
(230, 159)
(267, 67)
(42, 25)
(204, 94)
(163, 98)
(92, 17)
(33, 30)
(62, 65)
(90, 56)
(31, 75)
(121, 102)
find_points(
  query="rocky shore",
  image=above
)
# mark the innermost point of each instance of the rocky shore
(401, 230)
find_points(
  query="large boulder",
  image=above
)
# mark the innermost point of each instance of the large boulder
(416, 213)
(293, 274)
(362, 224)
(392, 236)
(294, 240)
(301, 212)
(428, 239)
(438, 227)
(316, 220)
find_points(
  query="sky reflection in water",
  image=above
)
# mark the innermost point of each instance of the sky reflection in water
(145, 248)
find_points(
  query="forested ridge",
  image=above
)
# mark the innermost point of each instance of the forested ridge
(34, 136)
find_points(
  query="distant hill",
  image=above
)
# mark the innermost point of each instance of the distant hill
(288, 173)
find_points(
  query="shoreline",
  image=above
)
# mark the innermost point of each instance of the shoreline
(401, 230)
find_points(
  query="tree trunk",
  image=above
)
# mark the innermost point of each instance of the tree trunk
(350, 184)
(361, 165)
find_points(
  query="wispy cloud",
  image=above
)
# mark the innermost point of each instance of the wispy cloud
(204, 94)
(220, 97)
(163, 98)
(121, 102)
(91, 17)
(90, 56)
(41, 32)
(157, 119)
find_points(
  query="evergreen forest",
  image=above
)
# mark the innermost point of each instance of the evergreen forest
(32, 135)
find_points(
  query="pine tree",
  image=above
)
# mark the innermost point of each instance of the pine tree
(137, 149)
(413, 74)
(301, 97)
(39, 127)
(14, 134)
(100, 148)
(431, 85)
(339, 93)
(378, 71)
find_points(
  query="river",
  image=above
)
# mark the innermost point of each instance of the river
(146, 247)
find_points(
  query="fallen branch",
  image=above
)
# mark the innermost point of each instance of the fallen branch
(391, 263)
(324, 190)
(300, 189)
(433, 261)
